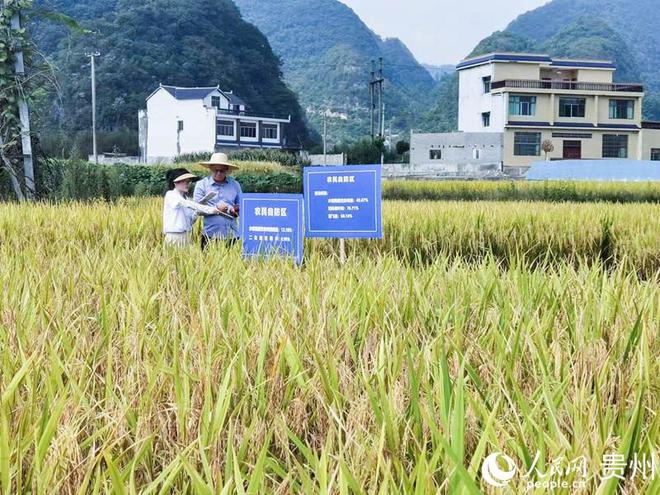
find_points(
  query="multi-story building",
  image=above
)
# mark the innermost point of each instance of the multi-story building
(190, 120)
(550, 108)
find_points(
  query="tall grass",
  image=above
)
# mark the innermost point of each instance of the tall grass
(127, 367)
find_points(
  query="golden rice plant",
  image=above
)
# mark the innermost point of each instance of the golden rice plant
(472, 328)
(581, 191)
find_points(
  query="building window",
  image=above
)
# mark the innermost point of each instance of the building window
(485, 119)
(527, 144)
(269, 131)
(572, 107)
(249, 129)
(622, 109)
(179, 126)
(486, 80)
(615, 146)
(215, 101)
(476, 153)
(522, 105)
(225, 128)
(655, 154)
(435, 154)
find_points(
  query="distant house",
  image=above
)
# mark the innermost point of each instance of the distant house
(190, 120)
(511, 103)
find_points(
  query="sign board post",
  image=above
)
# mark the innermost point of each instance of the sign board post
(272, 225)
(343, 202)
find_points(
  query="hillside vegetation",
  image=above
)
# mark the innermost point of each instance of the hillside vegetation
(142, 44)
(326, 50)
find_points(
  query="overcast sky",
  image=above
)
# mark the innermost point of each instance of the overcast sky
(439, 31)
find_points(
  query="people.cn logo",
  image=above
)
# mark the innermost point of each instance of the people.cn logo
(493, 474)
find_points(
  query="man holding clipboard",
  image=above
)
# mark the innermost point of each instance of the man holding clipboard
(223, 192)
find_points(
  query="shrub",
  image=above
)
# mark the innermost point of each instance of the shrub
(78, 180)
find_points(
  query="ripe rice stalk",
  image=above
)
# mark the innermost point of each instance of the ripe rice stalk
(472, 328)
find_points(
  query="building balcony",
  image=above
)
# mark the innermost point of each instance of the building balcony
(567, 86)
(237, 113)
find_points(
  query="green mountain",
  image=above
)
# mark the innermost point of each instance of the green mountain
(439, 71)
(327, 51)
(624, 32)
(144, 43)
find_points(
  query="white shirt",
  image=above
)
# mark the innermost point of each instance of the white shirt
(180, 213)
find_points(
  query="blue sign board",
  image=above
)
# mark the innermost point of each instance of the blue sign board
(272, 224)
(343, 202)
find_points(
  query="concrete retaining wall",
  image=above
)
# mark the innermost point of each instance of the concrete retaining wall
(441, 171)
(456, 154)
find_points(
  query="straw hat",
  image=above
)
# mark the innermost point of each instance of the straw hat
(180, 174)
(219, 159)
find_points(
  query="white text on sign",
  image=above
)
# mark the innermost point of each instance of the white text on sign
(340, 179)
(269, 212)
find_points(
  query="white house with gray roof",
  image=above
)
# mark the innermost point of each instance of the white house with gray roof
(181, 120)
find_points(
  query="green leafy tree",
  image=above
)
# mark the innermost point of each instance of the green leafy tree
(23, 78)
(143, 44)
(402, 147)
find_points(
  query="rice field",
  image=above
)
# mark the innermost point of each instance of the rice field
(529, 329)
(574, 191)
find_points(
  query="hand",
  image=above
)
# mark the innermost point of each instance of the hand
(223, 208)
(237, 209)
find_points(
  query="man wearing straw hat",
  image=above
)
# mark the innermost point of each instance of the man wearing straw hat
(223, 192)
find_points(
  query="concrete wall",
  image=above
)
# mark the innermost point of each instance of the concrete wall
(650, 139)
(595, 75)
(394, 171)
(163, 139)
(472, 101)
(468, 154)
(516, 70)
(337, 159)
(114, 160)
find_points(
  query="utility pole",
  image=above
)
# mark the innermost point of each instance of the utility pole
(325, 137)
(371, 93)
(376, 93)
(380, 98)
(382, 133)
(92, 56)
(24, 115)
